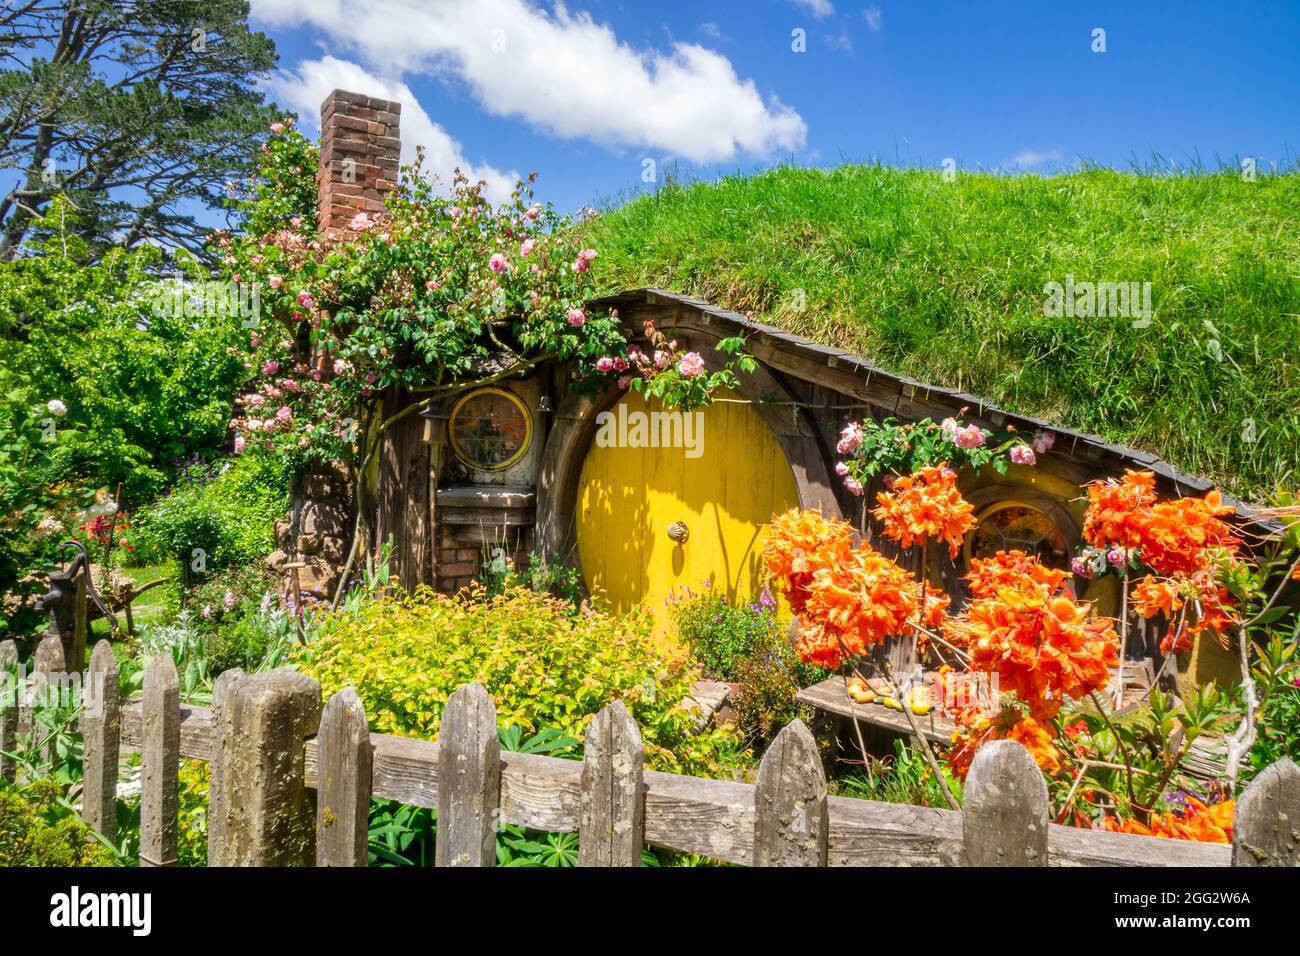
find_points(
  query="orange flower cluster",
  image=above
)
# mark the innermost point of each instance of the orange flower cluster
(1207, 823)
(926, 504)
(1167, 596)
(981, 728)
(844, 598)
(799, 542)
(1180, 536)
(1021, 626)
(1011, 569)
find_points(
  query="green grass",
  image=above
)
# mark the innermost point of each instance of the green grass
(945, 282)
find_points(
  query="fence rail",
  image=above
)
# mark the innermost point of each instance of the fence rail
(270, 743)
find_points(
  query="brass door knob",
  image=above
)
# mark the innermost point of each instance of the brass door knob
(678, 532)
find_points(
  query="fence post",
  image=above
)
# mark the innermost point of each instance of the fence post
(469, 780)
(790, 820)
(1266, 826)
(100, 725)
(343, 782)
(267, 814)
(611, 825)
(48, 669)
(216, 802)
(8, 710)
(1004, 808)
(160, 754)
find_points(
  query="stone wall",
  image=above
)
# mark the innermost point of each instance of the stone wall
(315, 536)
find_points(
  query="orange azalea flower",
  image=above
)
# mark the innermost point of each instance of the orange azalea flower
(979, 729)
(1184, 535)
(1210, 823)
(798, 542)
(926, 504)
(1152, 597)
(1039, 643)
(861, 599)
(1118, 511)
(1011, 569)
(937, 602)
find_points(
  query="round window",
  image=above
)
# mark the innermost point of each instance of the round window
(1017, 527)
(490, 429)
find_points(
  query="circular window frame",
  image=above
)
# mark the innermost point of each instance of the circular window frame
(1014, 501)
(514, 400)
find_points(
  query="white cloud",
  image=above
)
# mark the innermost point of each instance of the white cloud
(562, 72)
(304, 89)
(1033, 157)
(710, 29)
(818, 8)
(872, 16)
(839, 41)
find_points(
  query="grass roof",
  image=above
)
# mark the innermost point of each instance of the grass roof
(945, 282)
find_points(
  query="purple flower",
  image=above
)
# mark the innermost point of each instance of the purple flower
(1082, 568)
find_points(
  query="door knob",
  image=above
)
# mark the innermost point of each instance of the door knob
(678, 532)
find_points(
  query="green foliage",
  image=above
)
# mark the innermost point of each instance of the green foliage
(905, 778)
(544, 664)
(37, 828)
(721, 636)
(1277, 679)
(769, 680)
(891, 447)
(226, 511)
(944, 281)
(542, 576)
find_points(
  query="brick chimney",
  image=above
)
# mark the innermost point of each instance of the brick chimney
(360, 150)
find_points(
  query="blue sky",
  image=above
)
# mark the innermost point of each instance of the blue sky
(585, 93)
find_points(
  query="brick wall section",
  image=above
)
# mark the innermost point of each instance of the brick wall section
(456, 563)
(360, 150)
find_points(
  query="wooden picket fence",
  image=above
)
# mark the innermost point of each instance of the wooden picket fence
(271, 747)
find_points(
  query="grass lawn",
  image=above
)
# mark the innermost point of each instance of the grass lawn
(945, 282)
(155, 606)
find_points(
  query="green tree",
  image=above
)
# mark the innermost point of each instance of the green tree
(139, 111)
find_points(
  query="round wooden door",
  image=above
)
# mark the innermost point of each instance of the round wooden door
(665, 502)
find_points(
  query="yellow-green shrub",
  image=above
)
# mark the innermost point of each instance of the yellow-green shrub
(544, 664)
(37, 830)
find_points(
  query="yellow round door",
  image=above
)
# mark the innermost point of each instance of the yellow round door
(668, 499)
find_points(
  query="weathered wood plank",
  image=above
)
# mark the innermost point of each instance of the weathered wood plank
(343, 785)
(159, 762)
(216, 770)
(871, 833)
(613, 780)
(101, 726)
(469, 779)
(1266, 827)
(268, 818)
(1004, 808)
(790, 818)
(10, 690)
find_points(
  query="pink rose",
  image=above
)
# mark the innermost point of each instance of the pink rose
(432, 285)
(586, 255)
(1043, 440)
(620, 365)
(270, 368)
(605, 364)
(277, 127)
(691, 364)
(853, 486)
(342, 366)
(305, 299)
(1023, 455)
(526, 247)
(1082, 568)
(274, 282)
(850, 438)
(533, 212)
(1118, 557)
(253, 400)
(624, 381)
(841, 469)
(949, 429)
(972, 436)
(662, 359)
(239, 444)
(576, 318)
(498, 263)
(284, 413)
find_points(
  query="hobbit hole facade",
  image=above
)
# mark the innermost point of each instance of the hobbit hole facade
(515, 467)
